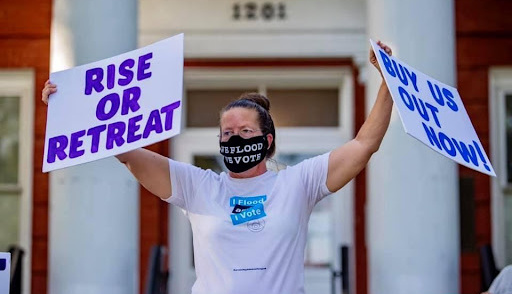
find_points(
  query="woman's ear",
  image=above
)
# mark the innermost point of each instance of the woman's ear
(270, 139)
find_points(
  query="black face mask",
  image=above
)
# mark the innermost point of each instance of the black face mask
(243, 154)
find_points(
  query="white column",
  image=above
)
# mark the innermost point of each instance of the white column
(413, 212)
(93, 244)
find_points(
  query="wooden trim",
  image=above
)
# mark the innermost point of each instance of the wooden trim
(268, 62)
(361, 263)
(153, 221)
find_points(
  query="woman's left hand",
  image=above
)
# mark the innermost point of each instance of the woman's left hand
(373, 58)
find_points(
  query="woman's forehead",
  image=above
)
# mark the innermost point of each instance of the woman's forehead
(239, 117)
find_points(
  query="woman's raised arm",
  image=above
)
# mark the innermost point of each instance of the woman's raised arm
(347, 161)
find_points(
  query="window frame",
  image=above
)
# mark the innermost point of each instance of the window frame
(279, 78)
(21, 83)
(500, 85)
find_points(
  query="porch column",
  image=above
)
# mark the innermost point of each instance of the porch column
(93, 246)
(413, 211)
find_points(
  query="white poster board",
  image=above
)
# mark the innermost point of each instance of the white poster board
(115, 105)
(5, 271)
(433, 113)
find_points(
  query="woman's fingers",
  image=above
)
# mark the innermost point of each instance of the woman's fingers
(45, 94)
(384, 47)
(373, 57)
(48, 89)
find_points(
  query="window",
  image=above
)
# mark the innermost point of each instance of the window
(16, 143)
(307, 107)
(501, 151)
(10, 189)
(508, 129)
(507, 126)
(203, 105)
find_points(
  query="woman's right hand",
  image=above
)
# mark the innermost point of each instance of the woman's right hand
(48, 89)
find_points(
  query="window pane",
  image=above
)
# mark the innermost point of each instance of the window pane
(9, 226)
(289, 107)
(507, 199)
(204, 106)
(304, 107)
(508, 121)
(9, 139)
(507, 207)
(213, 162)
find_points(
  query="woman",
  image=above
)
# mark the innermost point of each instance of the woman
(250, 225)
(502, 284)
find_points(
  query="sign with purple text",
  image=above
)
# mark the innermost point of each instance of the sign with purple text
(433, 113)
(5, 271)
(115, 105)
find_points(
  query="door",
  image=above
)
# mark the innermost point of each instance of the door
(312, 116)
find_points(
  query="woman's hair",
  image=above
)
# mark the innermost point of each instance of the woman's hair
(261, 105)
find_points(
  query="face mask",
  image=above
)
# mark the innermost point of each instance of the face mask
(243, 154)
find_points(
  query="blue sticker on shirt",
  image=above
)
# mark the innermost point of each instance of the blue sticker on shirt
(253, 213)
(247, 201)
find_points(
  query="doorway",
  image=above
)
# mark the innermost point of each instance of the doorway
(313, 113)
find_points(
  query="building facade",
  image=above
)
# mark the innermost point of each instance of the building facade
(413, 221)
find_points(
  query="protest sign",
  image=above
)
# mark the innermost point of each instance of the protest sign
(5, 271)
(115, 105)
(433, 113)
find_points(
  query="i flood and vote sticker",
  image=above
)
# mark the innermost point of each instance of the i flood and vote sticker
(433, 113)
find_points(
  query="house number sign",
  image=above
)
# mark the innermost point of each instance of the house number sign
(266, 11)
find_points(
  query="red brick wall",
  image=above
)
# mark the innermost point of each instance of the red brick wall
(153, 221)
(484, 39)
(25, 43)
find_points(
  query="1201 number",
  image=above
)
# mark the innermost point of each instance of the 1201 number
(254, 11)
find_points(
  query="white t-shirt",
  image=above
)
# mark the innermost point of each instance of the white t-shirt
(502, 284)
(249, 235)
